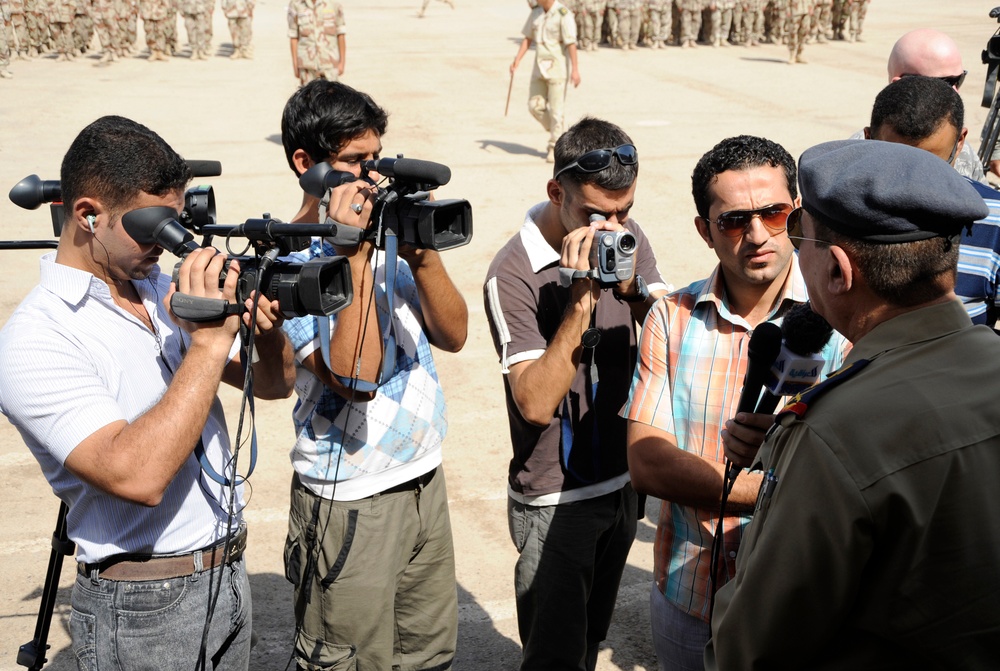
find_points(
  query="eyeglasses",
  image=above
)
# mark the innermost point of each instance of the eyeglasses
(794, 228)
(734, 224)
(954, 81)
(600, 159)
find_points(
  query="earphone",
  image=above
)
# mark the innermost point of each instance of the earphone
(90, 222)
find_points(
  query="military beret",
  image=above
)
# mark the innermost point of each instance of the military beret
(886, 191)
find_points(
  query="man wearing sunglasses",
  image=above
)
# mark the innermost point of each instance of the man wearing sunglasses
(926, 113)
(931, 53)
(688, 382)
(875, 542)
(567, 348)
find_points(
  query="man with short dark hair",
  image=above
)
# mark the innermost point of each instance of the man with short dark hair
(926, 113)
(116, 397)
(369, 546)
(874, 540)
(689, 379)
(567, 345)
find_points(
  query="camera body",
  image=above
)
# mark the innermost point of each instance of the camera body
(404, 206)
(612, 256)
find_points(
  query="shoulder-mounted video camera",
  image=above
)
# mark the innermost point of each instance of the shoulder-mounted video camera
(403, 207)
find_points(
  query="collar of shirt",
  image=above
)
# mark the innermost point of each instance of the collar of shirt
(713, 291)
(923, 324)
(72, 285)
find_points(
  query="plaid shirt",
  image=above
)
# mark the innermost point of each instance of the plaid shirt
(687, 382)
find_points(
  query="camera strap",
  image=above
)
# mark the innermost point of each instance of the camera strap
(567, 275)
(391, 247)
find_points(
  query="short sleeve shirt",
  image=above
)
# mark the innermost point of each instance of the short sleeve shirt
(552, 32)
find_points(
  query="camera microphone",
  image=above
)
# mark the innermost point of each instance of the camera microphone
(427, 173)
(798, 365)
(204, 168)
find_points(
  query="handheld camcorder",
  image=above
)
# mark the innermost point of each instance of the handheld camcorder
(612, 255)
(319, 287)
(403, 207)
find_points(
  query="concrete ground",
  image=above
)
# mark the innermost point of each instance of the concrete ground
(444, 80)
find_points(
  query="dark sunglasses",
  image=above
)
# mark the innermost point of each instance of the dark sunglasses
(600, 159)
(954, 81)
(734, 224)
(794, 228)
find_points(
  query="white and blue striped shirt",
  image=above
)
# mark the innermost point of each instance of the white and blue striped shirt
(72, 362)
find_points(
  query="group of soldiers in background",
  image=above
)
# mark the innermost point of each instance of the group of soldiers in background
(627, 24)
(33, 28)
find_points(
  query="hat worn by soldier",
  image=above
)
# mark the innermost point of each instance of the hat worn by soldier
(886, 192)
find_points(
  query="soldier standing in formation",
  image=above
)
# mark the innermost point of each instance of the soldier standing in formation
(154, 23)
(239, 13)
(196, 18)
(318, 37)
(4, 44)
(61, 26)
(800, 17)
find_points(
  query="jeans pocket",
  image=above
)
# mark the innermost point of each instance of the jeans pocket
(82, 629)
(517, 524)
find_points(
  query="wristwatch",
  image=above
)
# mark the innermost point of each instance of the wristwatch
(641, 292)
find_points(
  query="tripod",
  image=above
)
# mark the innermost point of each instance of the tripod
(991, 128)
(32, 653)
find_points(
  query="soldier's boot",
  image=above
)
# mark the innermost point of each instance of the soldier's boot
(108, 56)
(5, 73)
(550, 154)
(248, 52)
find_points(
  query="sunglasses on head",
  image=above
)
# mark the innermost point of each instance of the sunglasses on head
(794, 228)
(734, 224)
(600, 159)
(954, 81)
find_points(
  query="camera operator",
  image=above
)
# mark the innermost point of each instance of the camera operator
(569, 442)
(113, 393)
(368, 486)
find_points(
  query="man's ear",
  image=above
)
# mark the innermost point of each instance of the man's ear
(841, 272)
(961, 142)
(82, 208)
(702, 225)
(868, 132)
(556, 192)
(301, 161)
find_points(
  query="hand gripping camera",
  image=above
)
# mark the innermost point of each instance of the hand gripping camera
(403, 207)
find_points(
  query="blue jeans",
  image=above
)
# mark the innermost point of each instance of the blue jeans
(158, 624)
(566, 579)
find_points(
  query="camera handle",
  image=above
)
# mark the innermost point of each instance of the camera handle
(567, 275)
(32, 654)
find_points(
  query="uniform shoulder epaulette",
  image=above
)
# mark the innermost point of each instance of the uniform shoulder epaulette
(799, 404)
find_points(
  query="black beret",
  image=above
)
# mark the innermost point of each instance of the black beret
(886, 191)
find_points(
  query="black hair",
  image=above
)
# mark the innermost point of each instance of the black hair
(323, 116)
(114, 160)
(915, 106)
(738, 153)
(589, 134)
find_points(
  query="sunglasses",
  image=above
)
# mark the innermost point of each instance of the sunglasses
(954, 81)
(734, 224)
(600, 159)
(794, 228)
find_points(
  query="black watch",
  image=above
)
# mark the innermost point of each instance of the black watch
(641, 292)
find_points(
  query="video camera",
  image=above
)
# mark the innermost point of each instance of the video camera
(611, 255)
(319, 286)
(403, 207)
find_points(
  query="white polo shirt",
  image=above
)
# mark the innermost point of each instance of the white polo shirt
(72, 362)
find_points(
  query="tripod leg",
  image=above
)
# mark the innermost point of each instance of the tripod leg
(32, 654)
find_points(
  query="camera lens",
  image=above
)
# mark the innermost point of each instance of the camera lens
(626, 243)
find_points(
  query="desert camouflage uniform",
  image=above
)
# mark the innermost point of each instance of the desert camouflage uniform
(859, 8)
(37, 24)
(593, 21)
(799, 24)
(170, 27)
(839, 12)
(316, 24)
(154, 23)
(659, 15)
(775, 20)
(725, 25)
(83, 26)
(195, 17)
(128, 14)
(18, 30)
(614, 36)
(690, 20)
(106, 27)
(629, 23)
(711, 23)
(822, 28)
(239, 14)
(61, 14)
(753, 22)
(210, 8)
(4, 44)
(552, 33)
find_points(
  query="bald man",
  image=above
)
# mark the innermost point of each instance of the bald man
(931, 53)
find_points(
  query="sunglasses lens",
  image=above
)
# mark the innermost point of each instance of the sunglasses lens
(775, 216)
(627, 154)
(732, 224)
(794, 227)
(594, 161)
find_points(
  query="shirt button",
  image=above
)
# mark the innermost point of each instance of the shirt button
(732, 554)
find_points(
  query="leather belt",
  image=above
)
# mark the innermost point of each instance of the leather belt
(147, 567)
(416, 483)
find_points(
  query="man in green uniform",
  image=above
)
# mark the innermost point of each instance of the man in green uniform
(874, 542)
(552, 29)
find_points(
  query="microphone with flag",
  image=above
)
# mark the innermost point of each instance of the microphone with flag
(798, 364)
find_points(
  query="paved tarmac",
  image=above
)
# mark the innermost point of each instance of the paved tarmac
(444, 79)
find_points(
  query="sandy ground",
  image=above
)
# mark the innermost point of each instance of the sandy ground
(444, 80)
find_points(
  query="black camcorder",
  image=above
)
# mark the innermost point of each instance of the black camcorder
(403, 207)
(319, 286)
